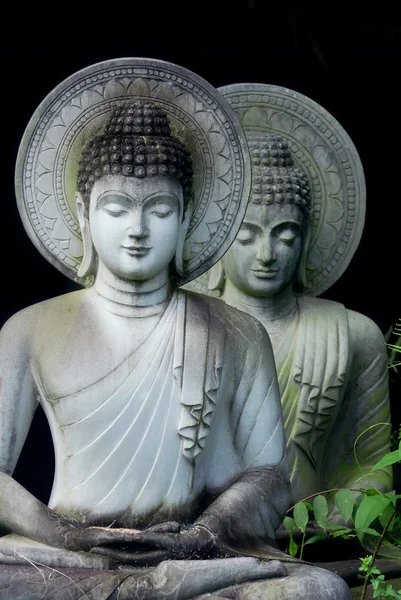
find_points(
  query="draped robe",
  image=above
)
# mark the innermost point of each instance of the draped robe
(197, 423)
(197, 409)
(327, 403)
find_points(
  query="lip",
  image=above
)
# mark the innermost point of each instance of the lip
(136, 250)
(264, 273)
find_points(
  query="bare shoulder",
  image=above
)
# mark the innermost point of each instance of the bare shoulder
(47, 314)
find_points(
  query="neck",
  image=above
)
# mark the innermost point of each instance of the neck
(140, 298)
(261, 307)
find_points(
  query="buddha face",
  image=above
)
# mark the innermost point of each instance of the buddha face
(135, 224)
(264, 257)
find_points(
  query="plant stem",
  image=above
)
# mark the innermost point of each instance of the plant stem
(302, 545)
(379, 543)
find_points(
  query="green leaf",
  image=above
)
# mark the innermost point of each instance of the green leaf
(385, 516)
(321, 510)
(344, 534)
(369, 509)
(392, 497)
(340, 531)
(289, 524)
(345, 500)
(370, 531)
(333, 527)
(293, 547)
(301, 515)
(389, 550)
(315, 538)
(395, 537)
(387, 460)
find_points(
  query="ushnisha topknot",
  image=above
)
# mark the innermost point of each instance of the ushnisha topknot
(275, 179)
(136, 142)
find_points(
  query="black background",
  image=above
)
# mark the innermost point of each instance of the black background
(344, 56)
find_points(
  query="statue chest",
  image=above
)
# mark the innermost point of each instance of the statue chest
(70, 360)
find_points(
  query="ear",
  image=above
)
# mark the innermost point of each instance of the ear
(217, 276)
(179, 253)
(87, 266)
(301, 279)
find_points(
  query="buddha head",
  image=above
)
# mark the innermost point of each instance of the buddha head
(266, 257)
(133, 198)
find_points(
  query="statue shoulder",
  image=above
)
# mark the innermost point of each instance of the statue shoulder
(43, 315)
(238, 326)
(321, 305)
(366, 339)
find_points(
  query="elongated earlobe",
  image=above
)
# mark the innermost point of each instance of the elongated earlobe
(301, 280)
(217, 277)
(179, 253)
(88, 264)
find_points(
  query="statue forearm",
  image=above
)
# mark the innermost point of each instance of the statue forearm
(25, 515)
(250, 510)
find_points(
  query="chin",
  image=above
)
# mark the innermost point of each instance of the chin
(136, 276)
(265, 290)
(138, 272)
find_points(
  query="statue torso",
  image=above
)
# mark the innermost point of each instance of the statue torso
(130, 407)
(107, 386)
(76, 342)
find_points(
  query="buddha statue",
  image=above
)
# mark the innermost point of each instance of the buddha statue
(331, 362)
(171, 477)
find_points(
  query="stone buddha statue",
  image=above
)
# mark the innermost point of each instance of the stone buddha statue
(171, 477)
(331, 362)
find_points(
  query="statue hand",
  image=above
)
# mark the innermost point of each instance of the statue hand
(166, 527)
(195, 542)
(90, 537)
(144, 548)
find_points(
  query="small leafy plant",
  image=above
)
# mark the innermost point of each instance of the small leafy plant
(394, 349)
(373, 575)
(365, 512)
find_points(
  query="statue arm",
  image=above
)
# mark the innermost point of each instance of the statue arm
(248, 513)
(364, 412)
(20, 511)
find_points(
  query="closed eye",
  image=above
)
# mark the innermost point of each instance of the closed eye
(245, 241)
(246, 235)
(287, 240)
(115, 210)
(162, 214)
(287, 232)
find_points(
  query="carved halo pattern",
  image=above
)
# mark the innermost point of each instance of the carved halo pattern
(197, 112)
(323, 149)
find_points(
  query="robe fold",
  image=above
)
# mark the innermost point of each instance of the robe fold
(327, 404)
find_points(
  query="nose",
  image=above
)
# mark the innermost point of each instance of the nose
(266, 252)
(138, 227)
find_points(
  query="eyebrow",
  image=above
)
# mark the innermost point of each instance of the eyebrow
(127, 200)
(287, 222)
(280, 224)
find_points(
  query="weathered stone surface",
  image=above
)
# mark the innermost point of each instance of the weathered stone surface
(331, 362)
(163, 405)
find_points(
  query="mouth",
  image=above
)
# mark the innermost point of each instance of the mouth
(136, 250)
(265, 273)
